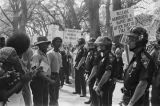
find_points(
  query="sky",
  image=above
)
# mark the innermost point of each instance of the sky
(1, 2)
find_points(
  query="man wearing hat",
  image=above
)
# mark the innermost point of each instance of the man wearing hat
(40, 83)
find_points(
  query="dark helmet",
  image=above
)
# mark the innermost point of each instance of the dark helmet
(141, 36)
(104, 40)
(81, 41)
(92, 40)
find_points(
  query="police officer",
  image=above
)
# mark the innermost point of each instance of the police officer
(155, 100)
(80, 83)
(89, 65)
(104, 84)
(138, 75)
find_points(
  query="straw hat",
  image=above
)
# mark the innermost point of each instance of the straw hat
(41, 40)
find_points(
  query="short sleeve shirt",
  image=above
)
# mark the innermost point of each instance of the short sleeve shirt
(40, 58)
(105, 64)
(55, 60)
(82, 52)
(89, 63)
(137, 71)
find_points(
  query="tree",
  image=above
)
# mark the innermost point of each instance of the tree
(93, 10)
(18, 9)
(16, 15)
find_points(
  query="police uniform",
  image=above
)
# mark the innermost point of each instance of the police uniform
(89, 66)
(139, 69)
(155, 98)
(106, 64)
(95, 98)
(80, 83)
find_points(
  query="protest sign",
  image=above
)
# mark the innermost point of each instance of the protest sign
(71, 35)
(52, 31)
(122, 20)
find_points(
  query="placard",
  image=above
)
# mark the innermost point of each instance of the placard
(122, 20)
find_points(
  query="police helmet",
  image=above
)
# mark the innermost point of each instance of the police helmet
(140, 35)
(104, 40)
(92, 40)
(81, 41)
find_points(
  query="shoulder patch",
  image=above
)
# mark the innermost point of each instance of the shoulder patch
(135, 64)
(145, 60)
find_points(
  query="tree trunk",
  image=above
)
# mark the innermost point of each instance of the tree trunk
(108, 25)
(93, 8)
(15, 7)
(70, 5)
(23, 16)
(19, 15)
(116, 5)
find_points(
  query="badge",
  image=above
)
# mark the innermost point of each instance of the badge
(111, 58)
(134, 64)
(145, 60)
(102, 60)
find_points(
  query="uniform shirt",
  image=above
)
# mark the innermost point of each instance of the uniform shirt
(155, 99)
(90, 60)
(40, 59)
(124, 58)
(156, 54)
(55, 60)
(140, 68)
(82, 52)
(105, 64)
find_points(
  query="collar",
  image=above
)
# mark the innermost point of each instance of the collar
(55, 50)
(41, 53)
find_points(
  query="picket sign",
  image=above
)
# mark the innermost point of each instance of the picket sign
(122, 20)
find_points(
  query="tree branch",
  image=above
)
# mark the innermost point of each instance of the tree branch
(4, 22)
(6, 15)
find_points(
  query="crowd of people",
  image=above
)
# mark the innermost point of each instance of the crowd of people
(36, 73)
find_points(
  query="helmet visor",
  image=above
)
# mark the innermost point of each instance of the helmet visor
(131, 38)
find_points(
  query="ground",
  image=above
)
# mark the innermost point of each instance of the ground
(69, 99)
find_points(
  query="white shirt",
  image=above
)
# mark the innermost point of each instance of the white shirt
(55, 60)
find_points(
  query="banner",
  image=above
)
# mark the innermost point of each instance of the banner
(122, 20)
(71, 36)
(52, 32)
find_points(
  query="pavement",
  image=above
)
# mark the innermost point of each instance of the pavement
(68, 99)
